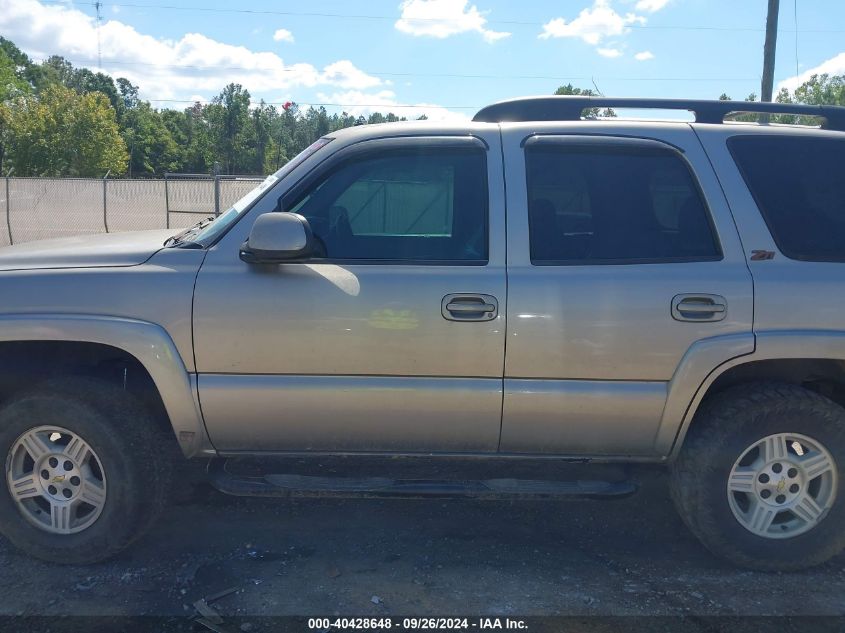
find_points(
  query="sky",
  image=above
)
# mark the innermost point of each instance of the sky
(442, 58)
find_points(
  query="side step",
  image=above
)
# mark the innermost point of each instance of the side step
(280, 485)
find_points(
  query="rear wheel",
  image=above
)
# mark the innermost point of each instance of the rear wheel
(86, 471)
(759, 478)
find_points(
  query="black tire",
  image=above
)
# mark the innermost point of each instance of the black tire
(133, 453)
(724, 427)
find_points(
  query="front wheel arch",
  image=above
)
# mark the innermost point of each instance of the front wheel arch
(133, 455)
(148, 343)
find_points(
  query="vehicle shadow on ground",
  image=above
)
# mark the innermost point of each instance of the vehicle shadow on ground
(630, 556)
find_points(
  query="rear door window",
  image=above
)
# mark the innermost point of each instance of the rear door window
(591, 204)
(799, 187)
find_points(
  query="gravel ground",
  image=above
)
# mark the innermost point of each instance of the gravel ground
(631, 556)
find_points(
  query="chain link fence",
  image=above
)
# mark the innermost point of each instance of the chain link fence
(43, 208)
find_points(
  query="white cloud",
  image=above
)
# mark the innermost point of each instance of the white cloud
(609, 52)
(345, 74)
(593, 24)
(651, 5)
(833, 66)
(644, 56)
(283, 35)
(444, 18)
(359, 103)
(193, 66)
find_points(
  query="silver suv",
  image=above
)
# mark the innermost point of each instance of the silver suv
(512, 294)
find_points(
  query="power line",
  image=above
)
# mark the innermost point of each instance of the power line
(386, 106)
(353, 16)
(119, 62)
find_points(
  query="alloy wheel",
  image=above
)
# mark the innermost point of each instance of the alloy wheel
(56, 479)
(782, 485)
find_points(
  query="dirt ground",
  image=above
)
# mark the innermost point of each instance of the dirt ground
(631, 556)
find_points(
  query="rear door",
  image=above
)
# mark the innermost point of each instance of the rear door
(392, 339)
(622, 254)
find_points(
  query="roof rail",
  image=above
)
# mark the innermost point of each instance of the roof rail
(570, 108)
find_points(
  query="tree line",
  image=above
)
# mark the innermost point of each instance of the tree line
(58, 120)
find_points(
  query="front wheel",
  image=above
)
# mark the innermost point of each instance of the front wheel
(85, 471)
(759, 478)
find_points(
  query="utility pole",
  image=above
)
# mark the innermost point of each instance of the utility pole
(769, 51)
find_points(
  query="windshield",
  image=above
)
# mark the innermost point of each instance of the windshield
(208, 232)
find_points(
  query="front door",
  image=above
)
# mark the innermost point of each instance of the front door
(392, 338)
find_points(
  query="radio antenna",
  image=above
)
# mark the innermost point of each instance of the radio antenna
(98, 5)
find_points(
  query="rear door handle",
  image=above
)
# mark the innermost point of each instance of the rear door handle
(699, 307)
(469, 307)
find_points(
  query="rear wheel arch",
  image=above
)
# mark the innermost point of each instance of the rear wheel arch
(737, 497)
(825, 376)
(810, 358)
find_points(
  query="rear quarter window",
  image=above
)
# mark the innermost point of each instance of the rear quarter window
(799, 188)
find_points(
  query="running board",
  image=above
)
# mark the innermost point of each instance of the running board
(280, 485)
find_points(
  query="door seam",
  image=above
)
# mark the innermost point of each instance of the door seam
(505, 311)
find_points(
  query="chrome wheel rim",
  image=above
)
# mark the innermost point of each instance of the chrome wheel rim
(56, 480)
(782, 485)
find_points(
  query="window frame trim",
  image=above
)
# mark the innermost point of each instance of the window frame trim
(763, 212)
(377, 147)
(626, 143)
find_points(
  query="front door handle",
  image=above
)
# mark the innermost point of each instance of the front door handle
(469, 307)
(699, 307)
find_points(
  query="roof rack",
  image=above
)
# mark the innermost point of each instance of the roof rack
(570, 108)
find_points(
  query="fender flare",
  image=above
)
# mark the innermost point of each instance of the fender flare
(147, 342)
(708, 359)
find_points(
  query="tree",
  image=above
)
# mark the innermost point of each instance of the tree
(61, 133)
(592, 113)
(199, 155)
(56, 119)
(12, 83)
(5, 135)
(742, 116)
(57, 69)
(152, 149)
(128, 93)
(260, 136)
(84, 82)
(32, 74)
(817, 90)
(822, 90)
(12, 86)
(229, 117)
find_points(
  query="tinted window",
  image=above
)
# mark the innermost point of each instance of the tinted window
(426, 205)
(614, 205)
(799, 187)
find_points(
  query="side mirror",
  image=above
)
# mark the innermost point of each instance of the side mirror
(277, 238)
